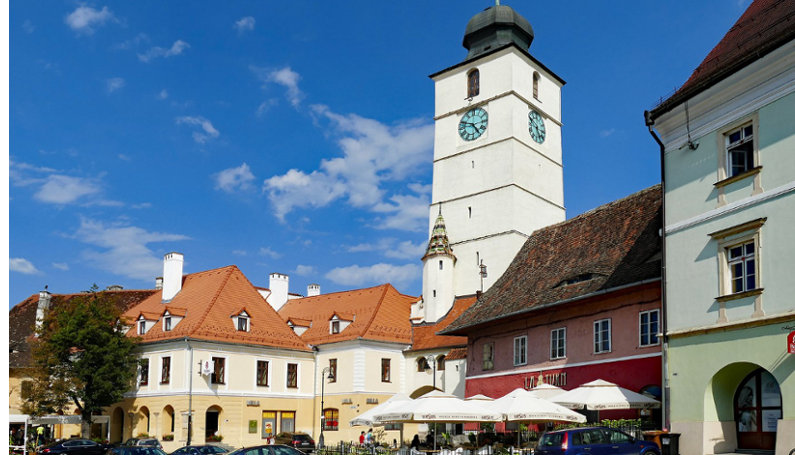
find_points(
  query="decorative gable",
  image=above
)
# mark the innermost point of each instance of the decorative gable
(142, 324)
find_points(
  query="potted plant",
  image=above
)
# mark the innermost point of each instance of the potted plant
(168, 437)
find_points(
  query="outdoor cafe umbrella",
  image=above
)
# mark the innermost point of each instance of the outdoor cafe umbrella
(600, 394)
(521, 406)
(545, 391)
(367, 418)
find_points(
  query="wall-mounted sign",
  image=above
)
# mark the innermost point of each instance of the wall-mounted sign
(791, 343)
(252, 403)
(252, 426)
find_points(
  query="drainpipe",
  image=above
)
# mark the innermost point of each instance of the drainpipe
(190, 391)
(666, 390)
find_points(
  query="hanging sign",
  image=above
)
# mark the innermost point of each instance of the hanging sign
(207, 368)
(791, 343)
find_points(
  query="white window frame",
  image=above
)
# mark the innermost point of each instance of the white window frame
(745, 137)
(724, 164)
(749, 232)
(224, 379)
(652, 334)
(164, 380)
(554, 348)
(141, 326)
(243, 320)
(598, 339)
(167, 324)
(297, 376)
(520, 350)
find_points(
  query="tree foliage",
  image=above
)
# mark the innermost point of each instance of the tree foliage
(81, 356)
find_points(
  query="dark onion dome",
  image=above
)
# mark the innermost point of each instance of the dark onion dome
(494, 27)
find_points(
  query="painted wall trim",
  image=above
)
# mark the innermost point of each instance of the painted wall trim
(564, 366)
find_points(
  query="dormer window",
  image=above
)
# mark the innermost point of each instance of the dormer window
(473, 83)
(242, 324)
(335, 326)
(167, 324)
(141, 327)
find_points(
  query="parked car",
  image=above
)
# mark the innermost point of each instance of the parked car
(594, 441)
(73, 447)
(135, 450)
(275, 449)
(149, 442)
(199, 450)
(300, 441)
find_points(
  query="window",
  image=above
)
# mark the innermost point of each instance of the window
(287, 422)
(167, 324)
(742, 267)
(441, 265)
(520, 350)
(488, 356)
(440, 363)
(557, 343)
(165, 370)
(331, 418)
(601, 336)
(536, 78)
(739, 151)
(473, 83)
(332, 370)
(386, 371)
(649, 327)
(422, 365)
(141, 327)
(25, 389)
(262, 373)
(242, 323)
(335, 326)
(218, 370)
(144, 377)
(292, 375)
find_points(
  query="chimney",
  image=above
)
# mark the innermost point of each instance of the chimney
(313, 290)
(279, 286)
(43, 306)
(159, 283)
(172, 275)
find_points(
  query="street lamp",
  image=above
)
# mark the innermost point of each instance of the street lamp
(321, 440)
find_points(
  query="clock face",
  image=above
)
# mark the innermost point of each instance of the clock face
(473, 124)
(536, 125)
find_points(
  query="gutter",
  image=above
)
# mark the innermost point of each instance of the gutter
(666, 388)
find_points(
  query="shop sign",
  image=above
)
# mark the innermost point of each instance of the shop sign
(791, 343)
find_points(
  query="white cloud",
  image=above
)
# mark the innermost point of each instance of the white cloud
(207, 132)
(123, 249)
(265, 105)
(235, 178)
(607, 133)
(373, 153)
(265, 251)
(240, 252)
(305, 270)
(61, 266)
(22, 265)
(162, 95)
(123, 157)
(356, 275)
(245, 23)
(114, 84)
(84, 18)
(158, 51)
(63, 189)
(391, 248)
(285, 77)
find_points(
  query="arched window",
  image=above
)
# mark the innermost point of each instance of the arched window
(422, 365)
(536, 77)
(440, 363)
(473, 83)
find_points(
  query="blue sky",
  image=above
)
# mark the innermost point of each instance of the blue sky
(293, 137)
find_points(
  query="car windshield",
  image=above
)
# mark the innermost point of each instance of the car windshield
(551, 440)
(283, 450)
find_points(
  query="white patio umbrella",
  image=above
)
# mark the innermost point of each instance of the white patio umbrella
(367, 418)
(600, 394)
(521, 406)
(545, 391)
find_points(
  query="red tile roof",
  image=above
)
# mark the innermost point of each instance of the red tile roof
(377, 313)
(456, 354)
(613, 245)
(425, 336)
(765, 26)
(210, 298)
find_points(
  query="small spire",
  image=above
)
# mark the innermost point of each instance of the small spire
(439, 243)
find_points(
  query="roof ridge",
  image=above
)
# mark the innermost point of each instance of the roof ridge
(376, 310)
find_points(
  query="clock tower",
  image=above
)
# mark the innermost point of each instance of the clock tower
(497, 165)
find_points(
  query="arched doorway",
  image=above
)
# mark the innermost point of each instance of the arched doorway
(167, 424)
(143, 423)
(117, 425)
(212, 420)
(757, 409)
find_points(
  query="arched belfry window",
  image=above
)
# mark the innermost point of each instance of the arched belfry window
(473, 83)
(536, 77)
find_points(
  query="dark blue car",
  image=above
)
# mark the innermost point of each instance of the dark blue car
(593, 441)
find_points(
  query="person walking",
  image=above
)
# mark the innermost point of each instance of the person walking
(361, 438)
(368, 438)
(415, 443)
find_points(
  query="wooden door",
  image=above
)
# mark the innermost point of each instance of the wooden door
(757, 409)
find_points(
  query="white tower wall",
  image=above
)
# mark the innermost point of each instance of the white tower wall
(437, 286)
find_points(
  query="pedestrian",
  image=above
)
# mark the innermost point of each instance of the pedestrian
(40, 435)
(415, 443)
(361, 438)
(368, 438)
